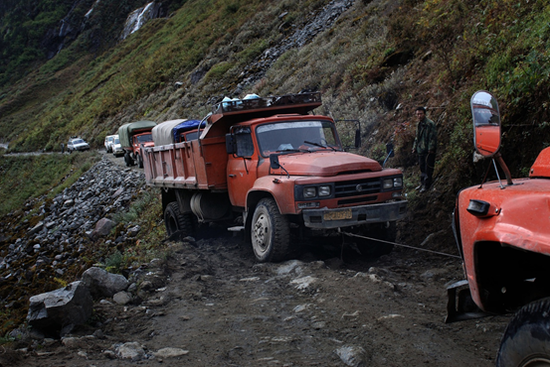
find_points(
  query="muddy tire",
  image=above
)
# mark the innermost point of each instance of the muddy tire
(128, 160)
(526, 341)
(269, 232)
(178, 225)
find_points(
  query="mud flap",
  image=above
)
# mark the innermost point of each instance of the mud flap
(460, 305)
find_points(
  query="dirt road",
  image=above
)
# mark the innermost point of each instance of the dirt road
(214, 303)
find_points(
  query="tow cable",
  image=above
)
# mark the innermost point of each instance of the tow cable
(400, 245)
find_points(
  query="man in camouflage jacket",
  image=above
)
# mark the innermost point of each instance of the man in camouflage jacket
(425, 144)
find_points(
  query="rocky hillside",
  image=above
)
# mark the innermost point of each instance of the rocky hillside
(84, 67)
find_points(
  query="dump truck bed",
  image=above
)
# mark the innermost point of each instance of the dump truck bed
(188, 165)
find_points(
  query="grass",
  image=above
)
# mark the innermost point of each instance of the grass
(145, 211)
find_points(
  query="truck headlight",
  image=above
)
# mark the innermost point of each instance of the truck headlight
(392, 183)
(310, 192)
(324, 191)
(398, 182)
(387, 183)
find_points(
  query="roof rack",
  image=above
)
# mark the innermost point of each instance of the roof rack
(274, 102)
(244, 109)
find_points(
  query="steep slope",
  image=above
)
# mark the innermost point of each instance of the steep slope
(374, 61)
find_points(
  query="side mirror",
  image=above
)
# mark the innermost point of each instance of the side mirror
(486, 116)
(230, 145)
(274, 161)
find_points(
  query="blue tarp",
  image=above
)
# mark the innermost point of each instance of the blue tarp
(185, 126)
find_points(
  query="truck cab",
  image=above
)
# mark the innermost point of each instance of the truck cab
(503, 236)
(133, 138)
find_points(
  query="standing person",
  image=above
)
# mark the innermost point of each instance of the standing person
(62, 148)
(425, 144)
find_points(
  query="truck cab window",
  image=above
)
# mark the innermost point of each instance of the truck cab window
(297, 136)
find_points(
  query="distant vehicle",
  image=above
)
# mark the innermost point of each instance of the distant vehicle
(116, 148)
(109, 142)
(133, 137)
(77, 144)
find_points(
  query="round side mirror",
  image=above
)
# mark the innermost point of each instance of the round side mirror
(486, 118)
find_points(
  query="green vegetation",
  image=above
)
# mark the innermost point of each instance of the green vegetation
(31, 176)
(145, 211)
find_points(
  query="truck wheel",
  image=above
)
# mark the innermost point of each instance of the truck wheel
(373, 248)
(270, 232)
(127, 159)
(526, 340)
(178, 225)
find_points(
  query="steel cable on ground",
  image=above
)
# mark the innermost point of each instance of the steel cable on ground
(401, 245)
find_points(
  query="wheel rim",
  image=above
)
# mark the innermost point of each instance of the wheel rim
(536, 362)
(262, 233)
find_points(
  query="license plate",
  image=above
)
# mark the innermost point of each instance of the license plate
(338, 215)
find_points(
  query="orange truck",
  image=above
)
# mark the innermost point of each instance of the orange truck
(271, 168)
(503, 235)
(133, 138)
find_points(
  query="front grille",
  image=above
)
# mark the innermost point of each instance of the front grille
(357, 187)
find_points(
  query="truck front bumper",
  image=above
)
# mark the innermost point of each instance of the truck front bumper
(345, 217)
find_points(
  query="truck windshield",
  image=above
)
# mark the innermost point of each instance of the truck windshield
(144, 138)
(292, 136)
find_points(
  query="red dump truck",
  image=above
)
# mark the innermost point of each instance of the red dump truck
(133, 138)
(278, 171)
(503, 234)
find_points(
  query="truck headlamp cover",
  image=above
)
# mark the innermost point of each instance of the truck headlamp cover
(398, 182)
(392, 183)
(324, 191)
(310, 192)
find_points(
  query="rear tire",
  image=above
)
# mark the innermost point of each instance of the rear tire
(269, 232)
(178, 225)
(526, 341)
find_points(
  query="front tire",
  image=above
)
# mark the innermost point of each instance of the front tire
(178, 225)
(526, 341)
(269, 232)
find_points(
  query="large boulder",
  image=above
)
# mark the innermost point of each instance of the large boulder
(56, 313)
(102, 228)
(102, 283)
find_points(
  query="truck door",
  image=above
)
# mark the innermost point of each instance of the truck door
(241, 166)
